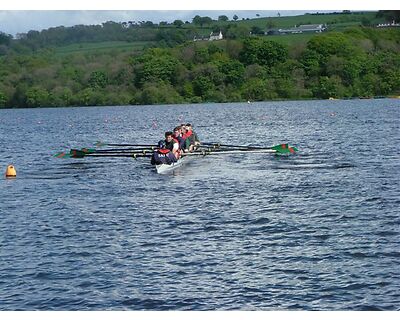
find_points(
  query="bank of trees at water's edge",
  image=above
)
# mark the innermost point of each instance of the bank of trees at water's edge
(359, 62)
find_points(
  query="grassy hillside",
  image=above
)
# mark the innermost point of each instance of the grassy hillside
(340, 19)
(335, 22)
(292, 39)
(331, 19)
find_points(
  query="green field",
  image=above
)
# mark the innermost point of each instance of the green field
(340, 20)
(331, 19)
(291, 39)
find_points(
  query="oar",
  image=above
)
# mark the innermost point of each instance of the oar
(217, 152)
(218, 145)
(114, 155)
(92, 150)
(74, 153)
(102, 144)
(103, 151)
(280, 148)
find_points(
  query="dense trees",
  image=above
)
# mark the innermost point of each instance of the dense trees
(201, 21)
(178, 23)
(390, 15)
(357, 62)
(5, 39)
(262, 52)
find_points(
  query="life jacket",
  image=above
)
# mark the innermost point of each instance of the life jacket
(163, 151)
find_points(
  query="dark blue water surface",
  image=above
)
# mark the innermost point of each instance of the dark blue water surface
(316, 231)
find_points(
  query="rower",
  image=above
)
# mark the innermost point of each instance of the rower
(193, 138)
(186, 143)
(162, 155)
(178, 136)
(172, 144)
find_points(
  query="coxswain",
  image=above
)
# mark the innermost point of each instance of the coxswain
(162, 155)
(172, 144)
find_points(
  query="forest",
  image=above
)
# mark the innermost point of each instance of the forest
(168, 67)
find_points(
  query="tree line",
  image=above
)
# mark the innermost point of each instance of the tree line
(359, 62)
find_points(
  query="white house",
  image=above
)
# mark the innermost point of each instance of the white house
(215, 36)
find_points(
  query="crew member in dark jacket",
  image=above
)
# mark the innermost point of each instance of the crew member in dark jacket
(162, 155)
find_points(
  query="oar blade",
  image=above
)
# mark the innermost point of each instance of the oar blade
(75, 153)
(62, 155)
(284, 148)
(88, 150)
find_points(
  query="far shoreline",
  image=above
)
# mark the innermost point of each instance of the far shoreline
(203, 103)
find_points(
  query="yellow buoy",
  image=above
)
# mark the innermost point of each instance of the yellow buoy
(10, 172)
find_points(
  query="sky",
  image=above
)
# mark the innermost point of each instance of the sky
(21, 16)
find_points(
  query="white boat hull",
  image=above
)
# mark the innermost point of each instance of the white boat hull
(165, 168)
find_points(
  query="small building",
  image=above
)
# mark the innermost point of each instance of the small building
(305, 28)
(215, 36)
(388, 25)
(312, 28)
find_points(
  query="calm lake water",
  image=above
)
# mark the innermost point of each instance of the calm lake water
(319, 230)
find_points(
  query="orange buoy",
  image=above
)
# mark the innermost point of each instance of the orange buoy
(11, 172)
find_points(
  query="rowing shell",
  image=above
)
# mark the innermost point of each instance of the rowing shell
(165, 168)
